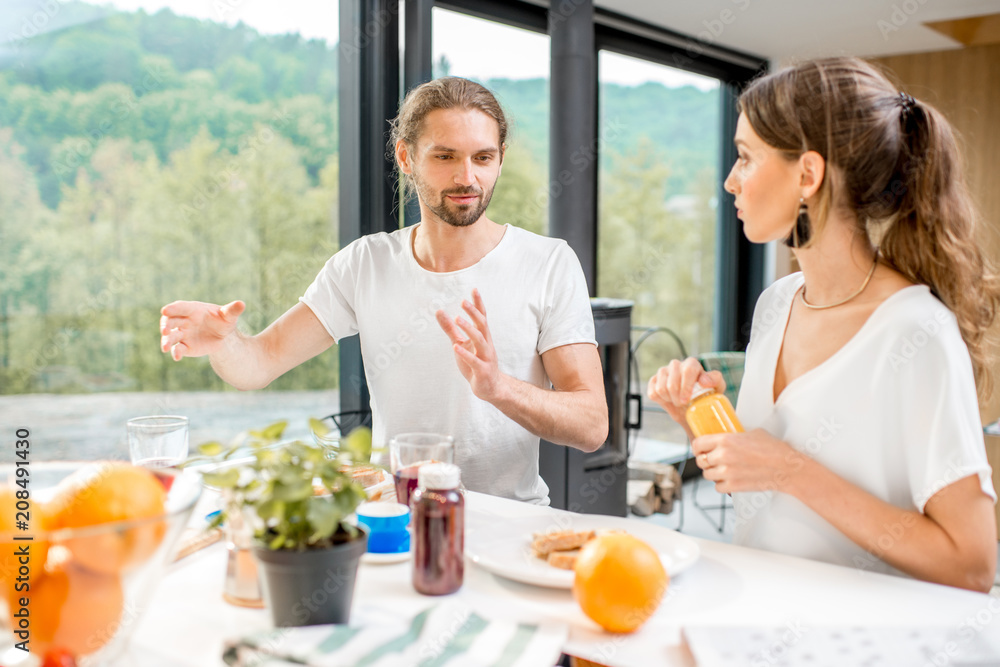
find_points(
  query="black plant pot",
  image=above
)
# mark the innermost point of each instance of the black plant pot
(311, 587)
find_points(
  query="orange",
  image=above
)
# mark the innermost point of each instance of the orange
(104, 492)
(73, 609)
(619, 581)
(11, 550)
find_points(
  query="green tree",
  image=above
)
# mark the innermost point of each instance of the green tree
(284, 75)
(157, 73)
(291, 228)
(198, 247)
(309, 123)
(520, 197)
(658, 252)
(22, 261)
(242, 79)
(83, 59)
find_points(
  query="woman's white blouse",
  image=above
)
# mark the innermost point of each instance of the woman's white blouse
(894, 411)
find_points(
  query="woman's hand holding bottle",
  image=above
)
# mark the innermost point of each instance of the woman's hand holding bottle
(672, 386)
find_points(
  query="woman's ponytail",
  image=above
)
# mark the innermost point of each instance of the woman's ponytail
(932, 237)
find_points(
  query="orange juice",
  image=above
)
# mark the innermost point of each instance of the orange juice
(711, 412)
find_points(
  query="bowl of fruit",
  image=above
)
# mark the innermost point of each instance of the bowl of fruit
(82, 547)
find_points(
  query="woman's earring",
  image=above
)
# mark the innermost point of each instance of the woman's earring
(802, 229)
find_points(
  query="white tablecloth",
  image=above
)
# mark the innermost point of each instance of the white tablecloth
(729, 586)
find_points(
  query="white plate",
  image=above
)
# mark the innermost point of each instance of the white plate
(384, 559)
(505, 549)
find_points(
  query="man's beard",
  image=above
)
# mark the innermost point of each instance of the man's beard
(456, 216)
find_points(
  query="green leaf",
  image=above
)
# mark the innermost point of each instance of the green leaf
(271, 509)
(227, 479)
(319, 427)
(211, 448)
(275, 431)
(358, 444)
(330, 475)
(349, 497)
(266, 458)
(323, 517)
(267, 435)
(291, 488)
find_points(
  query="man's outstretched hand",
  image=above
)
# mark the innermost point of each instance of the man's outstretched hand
(474, 352)
(195, 329)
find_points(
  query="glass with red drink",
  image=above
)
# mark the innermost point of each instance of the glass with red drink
(409, 451)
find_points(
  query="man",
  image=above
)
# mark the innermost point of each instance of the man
(485, 382)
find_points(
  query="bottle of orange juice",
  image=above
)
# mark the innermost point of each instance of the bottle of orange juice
(710, 412)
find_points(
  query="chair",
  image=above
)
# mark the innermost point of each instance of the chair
(349, 420)
(731, 365)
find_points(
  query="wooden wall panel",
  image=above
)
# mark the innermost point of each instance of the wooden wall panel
(964, 84)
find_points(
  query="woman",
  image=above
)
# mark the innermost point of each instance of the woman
(864, 445)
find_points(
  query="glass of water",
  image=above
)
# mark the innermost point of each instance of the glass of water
(157, 442)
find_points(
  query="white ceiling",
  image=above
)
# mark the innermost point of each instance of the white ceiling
(784, 29)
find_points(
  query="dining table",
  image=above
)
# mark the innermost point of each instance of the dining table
(729, 593)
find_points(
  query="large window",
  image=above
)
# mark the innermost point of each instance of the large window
(153, 151)
(156, 150)
(658, 181)
(521, 83)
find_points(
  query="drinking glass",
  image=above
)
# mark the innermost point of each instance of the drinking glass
(409, 451)
(242, 585)
(157, 442)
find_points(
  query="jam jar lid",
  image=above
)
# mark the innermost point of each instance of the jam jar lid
(438, 476)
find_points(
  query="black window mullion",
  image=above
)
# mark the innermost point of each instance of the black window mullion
(510, 12)
(368, 68)
(739, 264)
(418, 68)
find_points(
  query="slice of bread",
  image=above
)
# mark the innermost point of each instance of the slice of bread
(367, 475)
(563, 540)
(564, 560)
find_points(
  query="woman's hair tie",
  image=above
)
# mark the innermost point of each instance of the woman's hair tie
(906, 102)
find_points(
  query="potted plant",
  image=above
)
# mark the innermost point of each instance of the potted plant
(297, 497)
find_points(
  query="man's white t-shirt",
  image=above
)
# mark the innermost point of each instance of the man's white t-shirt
(894, 411)
(536, 299)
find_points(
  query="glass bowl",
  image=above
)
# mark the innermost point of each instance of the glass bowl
(88, 586)
(329, 440)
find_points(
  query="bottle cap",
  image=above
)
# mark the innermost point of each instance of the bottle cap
(438, 476)
(699, 390)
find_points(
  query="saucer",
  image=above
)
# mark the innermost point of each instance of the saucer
(384, 559)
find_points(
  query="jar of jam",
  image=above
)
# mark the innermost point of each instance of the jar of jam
(710, 412)
(438, 530)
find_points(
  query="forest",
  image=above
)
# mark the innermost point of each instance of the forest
(151, 157)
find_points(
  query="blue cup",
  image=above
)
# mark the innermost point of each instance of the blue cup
(386, 524)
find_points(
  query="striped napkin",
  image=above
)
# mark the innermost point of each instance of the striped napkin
(447, 634)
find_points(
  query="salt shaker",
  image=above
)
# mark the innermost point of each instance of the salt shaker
(438, 530)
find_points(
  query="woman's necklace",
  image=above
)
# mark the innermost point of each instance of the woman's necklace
(861, 289)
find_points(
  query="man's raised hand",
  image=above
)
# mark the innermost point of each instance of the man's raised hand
(195, 329)
(474, 352)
